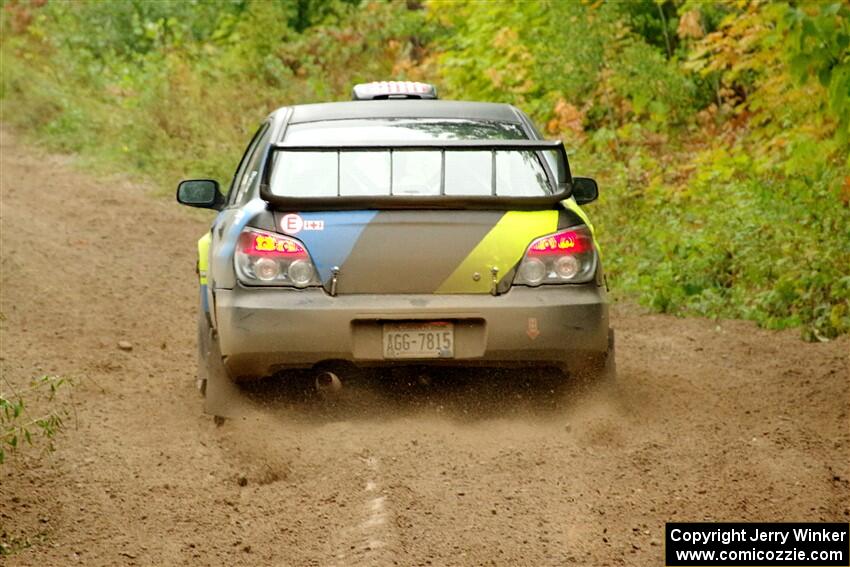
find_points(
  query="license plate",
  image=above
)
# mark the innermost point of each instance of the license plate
(419, 340)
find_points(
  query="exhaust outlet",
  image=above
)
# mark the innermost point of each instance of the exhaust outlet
(328, 383)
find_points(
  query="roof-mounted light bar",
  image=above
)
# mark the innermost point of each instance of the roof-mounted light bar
(380, 90)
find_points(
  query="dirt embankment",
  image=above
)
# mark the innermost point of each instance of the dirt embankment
(710, 421)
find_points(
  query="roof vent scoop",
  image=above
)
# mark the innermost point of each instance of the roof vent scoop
(380, 90)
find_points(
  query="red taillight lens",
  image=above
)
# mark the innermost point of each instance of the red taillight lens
(254, 243)
(573, 241)
(266, 258)
(568, 256)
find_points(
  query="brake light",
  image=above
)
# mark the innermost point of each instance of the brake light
(265, 258)
(567, 242)
(568, 256)
(263, 244)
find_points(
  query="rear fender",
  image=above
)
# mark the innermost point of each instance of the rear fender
(571, 205)
(205, 290)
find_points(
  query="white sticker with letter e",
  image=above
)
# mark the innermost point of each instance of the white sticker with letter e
(291, 223)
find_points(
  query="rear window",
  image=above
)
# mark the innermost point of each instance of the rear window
(407, 172)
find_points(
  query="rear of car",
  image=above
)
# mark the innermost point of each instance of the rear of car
(392, 232)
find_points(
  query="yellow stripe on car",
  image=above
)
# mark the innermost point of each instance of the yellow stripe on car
(501, 248)
(571, 205)
(204, 257)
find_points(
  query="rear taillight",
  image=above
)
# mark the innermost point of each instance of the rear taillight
(568, 256)
(266, 258)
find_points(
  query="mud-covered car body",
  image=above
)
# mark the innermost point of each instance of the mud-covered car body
(396, 232)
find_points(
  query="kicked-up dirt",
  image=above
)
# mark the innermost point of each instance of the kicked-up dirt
(710, 420)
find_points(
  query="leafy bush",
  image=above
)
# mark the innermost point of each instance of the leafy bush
(175, 89)
(18, 426)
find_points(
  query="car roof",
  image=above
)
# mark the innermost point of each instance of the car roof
(410, 108)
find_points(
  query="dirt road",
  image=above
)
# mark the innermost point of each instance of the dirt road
(710, 421)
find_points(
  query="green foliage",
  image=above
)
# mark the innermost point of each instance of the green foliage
(655, 88)
(736, 244)
(18, 426)
(719, 131)
(10, 545)
(819, 45)
(177, 87)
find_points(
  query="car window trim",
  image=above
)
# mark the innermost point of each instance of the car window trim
(243, 163)
(258, 156)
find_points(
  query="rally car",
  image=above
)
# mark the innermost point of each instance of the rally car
(398, 229)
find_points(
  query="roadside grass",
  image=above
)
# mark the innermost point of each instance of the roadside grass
(12, 544)
(159, 141)
(734, 242)
(32, 416)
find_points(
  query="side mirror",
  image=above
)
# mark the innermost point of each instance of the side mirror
(201, 193)
(585, 190)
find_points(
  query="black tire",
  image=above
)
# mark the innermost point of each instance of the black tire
(609, 367)
(204, 337)
(598, 369)
(222, 397)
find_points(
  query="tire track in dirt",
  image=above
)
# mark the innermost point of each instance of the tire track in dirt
(371, 540)
(711, 420)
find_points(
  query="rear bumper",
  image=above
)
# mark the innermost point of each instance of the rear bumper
(262, 331)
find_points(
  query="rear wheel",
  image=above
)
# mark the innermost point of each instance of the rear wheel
(203, 351)
(608, 374)
(221, 395)
(594, 369)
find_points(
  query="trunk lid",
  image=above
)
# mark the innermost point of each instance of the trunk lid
(416, 251)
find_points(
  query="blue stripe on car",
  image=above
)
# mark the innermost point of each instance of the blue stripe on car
(241, 219)
(330, 246)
